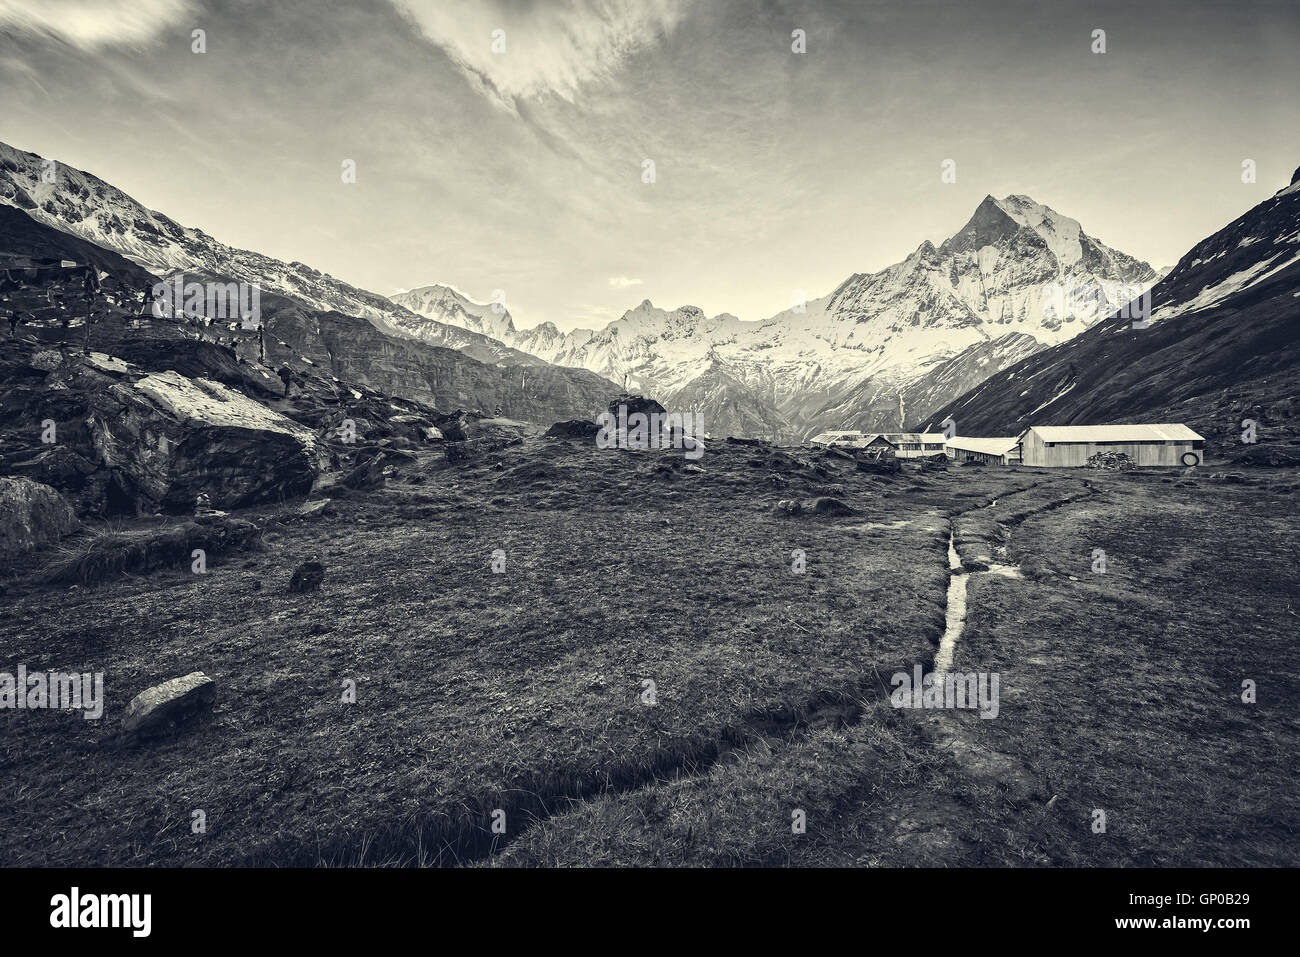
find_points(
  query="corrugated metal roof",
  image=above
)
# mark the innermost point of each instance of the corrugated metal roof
(1167, 432)
(895, 438)
(899, 437)
(835, 436)
(999, 445)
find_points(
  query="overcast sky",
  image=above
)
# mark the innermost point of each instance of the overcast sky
(522, 170)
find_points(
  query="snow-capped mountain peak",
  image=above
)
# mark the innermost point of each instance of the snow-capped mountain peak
(912, 335)
(447, 304)
(1061, 233)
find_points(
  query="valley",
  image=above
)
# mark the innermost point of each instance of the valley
(524, 691)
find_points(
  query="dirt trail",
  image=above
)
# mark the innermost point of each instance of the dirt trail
(934, 819)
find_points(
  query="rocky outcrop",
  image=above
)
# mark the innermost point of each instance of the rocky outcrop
(635, 404)
(175, 438)
(31, 514)
(115, 439)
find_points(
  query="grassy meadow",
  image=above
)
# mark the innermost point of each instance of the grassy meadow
(650, 682)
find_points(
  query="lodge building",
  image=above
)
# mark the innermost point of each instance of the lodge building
(1168, 444)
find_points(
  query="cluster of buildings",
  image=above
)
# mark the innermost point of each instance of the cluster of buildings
(1169, 444)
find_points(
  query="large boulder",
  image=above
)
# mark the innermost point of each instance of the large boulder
(177, 438)
(31, 514)
(163, 706)
(635, 403)
(573, 429)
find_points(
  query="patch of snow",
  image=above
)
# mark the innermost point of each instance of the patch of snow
(1055, 397)
(106, 362)
(1212, 295)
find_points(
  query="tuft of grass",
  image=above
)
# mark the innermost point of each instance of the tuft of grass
(112, 553)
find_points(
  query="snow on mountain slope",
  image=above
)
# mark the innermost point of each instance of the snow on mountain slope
(85, 206)
(881, 346)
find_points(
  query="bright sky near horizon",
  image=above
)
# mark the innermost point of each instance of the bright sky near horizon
(522, 170)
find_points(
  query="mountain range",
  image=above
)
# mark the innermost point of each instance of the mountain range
(880, 349)
(974, 328)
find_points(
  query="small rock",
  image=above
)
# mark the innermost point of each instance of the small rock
(307, 577)
(163, 706)
(367, 476)
(825, 505)
(314, 509)
(47, 361)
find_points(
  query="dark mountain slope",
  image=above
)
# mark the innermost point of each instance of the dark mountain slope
(329, 342)
(24, 238)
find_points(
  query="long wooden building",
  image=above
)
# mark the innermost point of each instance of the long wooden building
(1170, 444)
(1001, 450)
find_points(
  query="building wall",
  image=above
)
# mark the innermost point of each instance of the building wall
(1076, 454)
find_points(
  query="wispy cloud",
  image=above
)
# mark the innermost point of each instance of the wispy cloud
(548, 46)
(92, 24)
(622, 282)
